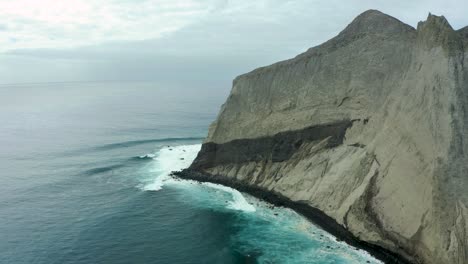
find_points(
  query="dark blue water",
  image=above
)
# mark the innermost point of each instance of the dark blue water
(83, 179)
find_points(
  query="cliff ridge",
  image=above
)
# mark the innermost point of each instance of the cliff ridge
(370, 128)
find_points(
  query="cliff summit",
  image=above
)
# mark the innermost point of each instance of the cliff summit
(370, 128)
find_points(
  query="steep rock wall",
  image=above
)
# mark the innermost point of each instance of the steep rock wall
(370, 128)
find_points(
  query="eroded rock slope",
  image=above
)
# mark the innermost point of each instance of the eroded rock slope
(370, 127)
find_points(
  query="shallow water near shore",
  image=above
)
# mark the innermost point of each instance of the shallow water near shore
(85, 179)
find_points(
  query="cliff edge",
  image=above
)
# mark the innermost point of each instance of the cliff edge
(371, 128)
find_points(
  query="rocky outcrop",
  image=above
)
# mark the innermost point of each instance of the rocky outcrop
(370, 128)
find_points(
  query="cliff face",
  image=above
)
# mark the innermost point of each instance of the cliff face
(370, 127)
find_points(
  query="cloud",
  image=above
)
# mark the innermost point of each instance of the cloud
(74, 23)
(183, 41)
(71, 23)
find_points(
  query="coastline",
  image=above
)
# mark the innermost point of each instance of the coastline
(312, 214)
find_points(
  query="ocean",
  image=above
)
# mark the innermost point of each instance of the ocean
(84, 178)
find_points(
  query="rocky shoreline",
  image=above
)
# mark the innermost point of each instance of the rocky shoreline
(369, 128)
(313, 214)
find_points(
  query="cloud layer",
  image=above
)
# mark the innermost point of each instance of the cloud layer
(184, 41)
(71, 23)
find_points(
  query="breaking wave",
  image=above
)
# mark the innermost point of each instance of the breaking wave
(238, 203)
(264, 227)
(169, 159)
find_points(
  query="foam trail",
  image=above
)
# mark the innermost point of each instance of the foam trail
(311, 242)
(175, 158)
(286, 225)
(283, 224)
(239, 202)
(170, 159)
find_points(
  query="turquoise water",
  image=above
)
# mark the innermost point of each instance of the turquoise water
(84, 179)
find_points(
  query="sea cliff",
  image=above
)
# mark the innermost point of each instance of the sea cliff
(368, 130)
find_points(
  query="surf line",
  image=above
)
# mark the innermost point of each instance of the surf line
(175, 158)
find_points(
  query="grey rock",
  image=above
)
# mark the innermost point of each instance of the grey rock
(399, 176)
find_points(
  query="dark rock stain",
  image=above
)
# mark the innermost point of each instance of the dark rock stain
(277, 148)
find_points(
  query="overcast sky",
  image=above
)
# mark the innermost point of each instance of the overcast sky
(187, 41)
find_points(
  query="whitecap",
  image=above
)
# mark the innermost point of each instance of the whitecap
(238, 203)
(167, 160)
(174, 158)
(283, 221)
(150, 155)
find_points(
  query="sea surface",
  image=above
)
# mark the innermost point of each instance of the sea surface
(84, 179)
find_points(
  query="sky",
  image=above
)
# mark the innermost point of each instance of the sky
(207, 42)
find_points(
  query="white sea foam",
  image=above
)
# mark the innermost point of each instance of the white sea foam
(238, 203)
(150, 155)
(176, 158)
(283, 220)
(167, 160)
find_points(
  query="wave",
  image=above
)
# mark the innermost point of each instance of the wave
(100, 170)
(127, 144)
(146, 157)
(266, 228)
(238, 203)
(170, 159)
(124, 163)
(132, 143)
